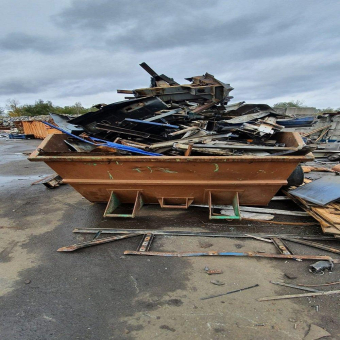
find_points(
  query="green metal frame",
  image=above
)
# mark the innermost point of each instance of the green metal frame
(114, 202)
(236, 207)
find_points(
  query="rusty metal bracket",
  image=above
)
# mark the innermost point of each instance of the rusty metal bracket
(145, 244)
(235, 204)
(114, 203)
(187, 202)
(279, 244)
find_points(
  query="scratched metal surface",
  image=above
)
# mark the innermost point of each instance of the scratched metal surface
(322, 191)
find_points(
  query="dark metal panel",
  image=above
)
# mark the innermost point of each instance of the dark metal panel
(321, 191)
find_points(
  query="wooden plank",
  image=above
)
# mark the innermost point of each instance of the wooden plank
(292, 296)
(326, 226)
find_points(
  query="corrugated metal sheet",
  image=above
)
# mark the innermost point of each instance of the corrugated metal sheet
(38, 129)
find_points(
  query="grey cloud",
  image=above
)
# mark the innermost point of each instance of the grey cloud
(100, 15)
(308, 79)
(23, 41)
(264, 49)
(18, 86)
(189, 34)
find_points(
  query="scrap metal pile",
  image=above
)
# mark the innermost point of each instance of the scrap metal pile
(172, 119)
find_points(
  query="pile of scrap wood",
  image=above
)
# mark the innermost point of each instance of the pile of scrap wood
(172, 119)
(320, 198)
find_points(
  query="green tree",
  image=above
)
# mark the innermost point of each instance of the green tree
(329, 109)
(40, 108)
(13, 108)
(293, 103)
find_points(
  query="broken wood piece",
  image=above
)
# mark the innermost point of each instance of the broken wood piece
(307, 169)
(53, 182)
(320, 284)
(306, 134)
(44, 179)
(279, 283)
(281, 297)
(218, 152)
(188, 150)
(180, 132)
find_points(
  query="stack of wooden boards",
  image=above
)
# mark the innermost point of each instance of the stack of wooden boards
(327, 215)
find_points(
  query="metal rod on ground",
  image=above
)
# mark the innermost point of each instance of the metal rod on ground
(245, 254)
(95, 242)
(281, 297)
(259, 238)
(294, 286)
(196, 233)
(231, 292)
(314, 245)
(321, 284)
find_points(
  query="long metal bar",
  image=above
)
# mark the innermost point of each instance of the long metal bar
(151, 123)
(162, 115)
(314, 245)
(199, 233)
(294, 286)
(95, 242)
(281, 297)
(223, 253)
(231, 292)
(245, 146)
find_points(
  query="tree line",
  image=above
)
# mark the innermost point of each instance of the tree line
(40, 108)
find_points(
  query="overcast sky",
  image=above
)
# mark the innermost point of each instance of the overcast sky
(71, 51)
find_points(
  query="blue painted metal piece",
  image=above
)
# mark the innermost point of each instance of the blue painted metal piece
(106, 143)
(151, 123)
(321, 191)
(20, 136)
(297, 122)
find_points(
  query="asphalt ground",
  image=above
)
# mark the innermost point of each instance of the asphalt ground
(99, 293)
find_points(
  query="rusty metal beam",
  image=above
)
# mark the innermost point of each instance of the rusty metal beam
(314, 245)
(200, 233)
(244, 254)
(95, 242)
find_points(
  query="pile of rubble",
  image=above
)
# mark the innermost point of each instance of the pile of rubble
(172, 119)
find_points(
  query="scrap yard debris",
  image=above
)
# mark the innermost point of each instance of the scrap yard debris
(175, 120)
